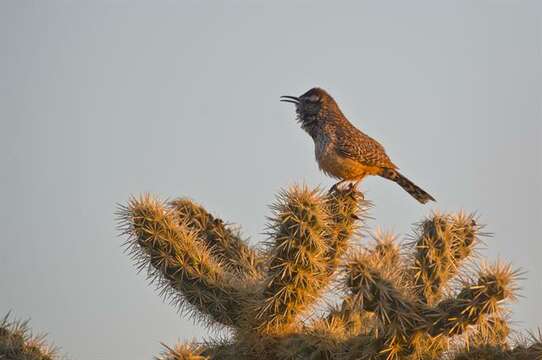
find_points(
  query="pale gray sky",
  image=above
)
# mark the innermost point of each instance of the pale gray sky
(103, 99)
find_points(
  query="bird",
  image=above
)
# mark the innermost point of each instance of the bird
(343, 151)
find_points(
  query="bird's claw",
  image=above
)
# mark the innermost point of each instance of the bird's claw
(335, 187)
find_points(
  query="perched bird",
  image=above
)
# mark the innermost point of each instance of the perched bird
(342, 151)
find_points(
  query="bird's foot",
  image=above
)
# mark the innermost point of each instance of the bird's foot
(335, 187)
(353, 190)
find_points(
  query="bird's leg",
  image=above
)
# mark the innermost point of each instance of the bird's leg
(336, 186)
(354, 189)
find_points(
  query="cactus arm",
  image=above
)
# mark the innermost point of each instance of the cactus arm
(17, 343)
(298, 269)
(476, 300)
(182, 352)
(183, 268)
(442, 243)
(346, 209)
(528, 350)
(224, 242)
(385, 254)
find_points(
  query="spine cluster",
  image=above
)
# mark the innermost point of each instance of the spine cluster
(18, 343)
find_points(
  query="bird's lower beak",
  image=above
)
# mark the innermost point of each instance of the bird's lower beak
(290, 99)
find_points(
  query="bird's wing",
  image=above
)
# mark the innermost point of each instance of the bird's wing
(355, 145)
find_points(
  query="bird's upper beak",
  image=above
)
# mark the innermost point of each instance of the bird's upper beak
(290, 99)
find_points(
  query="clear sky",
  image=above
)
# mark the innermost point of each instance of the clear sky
(103, 99)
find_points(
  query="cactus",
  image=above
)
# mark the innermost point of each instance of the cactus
(17, 342)
(182, 352)
(315, 291)
(317, 288)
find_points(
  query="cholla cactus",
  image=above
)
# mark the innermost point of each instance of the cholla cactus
(17, 343)
(182, 352)
(313, 291)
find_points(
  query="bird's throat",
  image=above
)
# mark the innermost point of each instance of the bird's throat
(310, 125)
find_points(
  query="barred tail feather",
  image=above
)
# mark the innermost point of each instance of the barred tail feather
(411, 188)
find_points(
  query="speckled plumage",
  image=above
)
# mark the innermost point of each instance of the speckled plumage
(343, 151)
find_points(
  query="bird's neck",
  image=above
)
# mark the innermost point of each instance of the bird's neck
(325, 121)
(311, 125)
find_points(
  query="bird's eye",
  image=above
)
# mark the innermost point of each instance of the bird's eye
(314, 98)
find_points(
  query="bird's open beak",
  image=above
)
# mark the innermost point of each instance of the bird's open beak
(290, 99)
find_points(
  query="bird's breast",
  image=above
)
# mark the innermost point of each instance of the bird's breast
(335, 165)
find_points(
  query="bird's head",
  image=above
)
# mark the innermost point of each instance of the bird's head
(312, 107)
